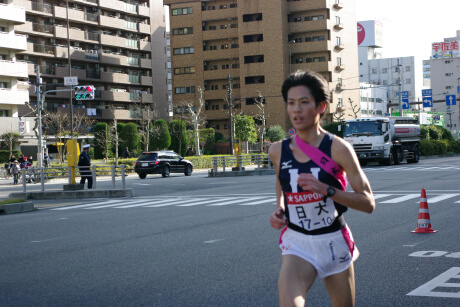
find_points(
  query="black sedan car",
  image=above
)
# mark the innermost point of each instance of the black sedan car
(161, 162)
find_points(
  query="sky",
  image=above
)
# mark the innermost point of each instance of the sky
(410, 26)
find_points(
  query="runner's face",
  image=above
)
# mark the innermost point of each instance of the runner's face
(302, 109)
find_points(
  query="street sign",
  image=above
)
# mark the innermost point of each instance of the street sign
(70, 81)
(427, 102)
(458, 89)
(427, 92)
(451, 100)
(202, 144)
(404, 94)
(436, 117)
(291, 131)
(405, 103)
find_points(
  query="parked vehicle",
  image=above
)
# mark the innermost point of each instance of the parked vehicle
(162, 162)
(386, 140)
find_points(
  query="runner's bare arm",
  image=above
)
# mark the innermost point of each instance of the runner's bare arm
(277, 218)
(361, 198)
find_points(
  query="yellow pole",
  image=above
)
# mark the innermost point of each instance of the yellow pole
(73, 152)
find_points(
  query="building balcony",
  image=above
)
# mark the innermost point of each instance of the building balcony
(338, 26)
(339, 46)
(220, 54)
(75, 15)
(145, 63)
(325, 66)
(13, 41)
(340, 67)
(111, 22)
(298, 6)
(338, 4)
(144, 45)
(12, 14)
(220, 34)
(307, 47)
(308, 26)
(228, 13)
(13, 69)
(143, 28)
(218, 74)
(114, 96)
(113, 41)
(13, 97)
(143, 10)
(217, 95)
(119, 114)
(40, 50)
(116, 77)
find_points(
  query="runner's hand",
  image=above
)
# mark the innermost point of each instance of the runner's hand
(308, 182)
(277, 219)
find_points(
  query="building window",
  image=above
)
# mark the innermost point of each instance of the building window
(448, 87)
(318, 17)
(185, 90)
(339, 61)
(184, 50)
(339, 102)
(254, 59)
(385, 82)
(4, 113)
(448, 74)
(407, 81)
(184, 70)
(183, 31)
(253, 38)
(253, 100)
(254, 80)
(182, 11)
(252, 17)
(407, 68)
(447, 61)
(384, 70)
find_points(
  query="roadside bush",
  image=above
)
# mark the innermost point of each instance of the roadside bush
(5, 155)
(424, 135)
(275, 133)
(454, 146)
(445, 134)
(434, 133)
(334, 128)
(426, 148)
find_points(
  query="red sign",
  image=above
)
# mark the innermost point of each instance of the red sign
(361, 34)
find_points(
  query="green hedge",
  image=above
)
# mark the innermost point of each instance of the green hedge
(5, 155)
(436, 147)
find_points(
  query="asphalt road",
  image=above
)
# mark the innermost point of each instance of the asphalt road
(199, 241)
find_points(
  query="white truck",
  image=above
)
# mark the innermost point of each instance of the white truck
(386, 140)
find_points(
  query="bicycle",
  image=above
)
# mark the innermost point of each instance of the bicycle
(5, 171)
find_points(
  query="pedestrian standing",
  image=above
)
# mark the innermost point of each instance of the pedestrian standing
(312, 198)
(15, 170)
(84, 163)
(31, 160)
(21, 159)
(126, 153)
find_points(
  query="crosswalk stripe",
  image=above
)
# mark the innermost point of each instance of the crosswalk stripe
(377, 196)
(400, 199)
(203, 202)
(440, 198)
(175, 202)
(232, 201)
(113, 205)
(88, 205)
(271, 199)
(146, 202)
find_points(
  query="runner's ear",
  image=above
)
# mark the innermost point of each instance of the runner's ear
(322, 107)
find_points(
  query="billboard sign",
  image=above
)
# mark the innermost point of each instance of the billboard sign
(370, 33)
(444, 50)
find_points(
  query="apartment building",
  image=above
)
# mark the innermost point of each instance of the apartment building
(11, 97)
(253, 46)
(117, 46)
(445, 80)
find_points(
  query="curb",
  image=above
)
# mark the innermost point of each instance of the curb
(73, 194)
(241, 173)
(17, 208)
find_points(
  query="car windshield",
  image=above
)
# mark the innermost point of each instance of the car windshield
(147, 156)
(360, 128)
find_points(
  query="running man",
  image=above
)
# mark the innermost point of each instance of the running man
(315, 240)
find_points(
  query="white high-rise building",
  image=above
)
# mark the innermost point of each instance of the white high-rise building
(10, 68)
(445, 80)
(393, 75)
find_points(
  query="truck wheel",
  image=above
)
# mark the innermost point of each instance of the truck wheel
(398, 156)
(389, 161)
(416, 156)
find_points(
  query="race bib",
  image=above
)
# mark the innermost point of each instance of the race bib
(308, 210)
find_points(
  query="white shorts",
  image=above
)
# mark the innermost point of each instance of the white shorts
(329, 253)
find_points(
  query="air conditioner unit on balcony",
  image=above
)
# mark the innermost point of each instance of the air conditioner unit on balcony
(119, 50)
(76, 44)
(94, 9)
(96, 65)
(26, 57)
(118, 32)
(117, 15)
(52, 20)
(52, 40)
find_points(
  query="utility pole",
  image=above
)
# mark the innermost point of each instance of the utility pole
(39, 111)
(399, 84)
(70, 68)
(229, 88)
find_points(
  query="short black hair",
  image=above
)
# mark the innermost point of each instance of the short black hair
(316, 83)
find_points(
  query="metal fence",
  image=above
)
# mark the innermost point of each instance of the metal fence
(42, 175)
(230, 163)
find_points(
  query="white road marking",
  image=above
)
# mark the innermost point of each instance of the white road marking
(204, 202)
(400, 199)
(440, 198)
(146, 203)
(439, 282)
(175, 202)
(252, 203)
(377, 196)
(232, 201)
(89, 205)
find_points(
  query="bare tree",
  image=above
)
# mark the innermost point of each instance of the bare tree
(56, 123)
(103, 139)
(354, 108)
(193, 116)
(260, 116)
(82, 121)
(146, 114)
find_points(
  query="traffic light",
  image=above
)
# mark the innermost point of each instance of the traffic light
(84, 92)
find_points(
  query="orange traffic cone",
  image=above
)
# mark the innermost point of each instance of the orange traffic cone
(424, 223)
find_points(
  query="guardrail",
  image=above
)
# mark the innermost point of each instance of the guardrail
(42, 175)
(229, 163)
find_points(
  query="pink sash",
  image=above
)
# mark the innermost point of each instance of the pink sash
(323, 161)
